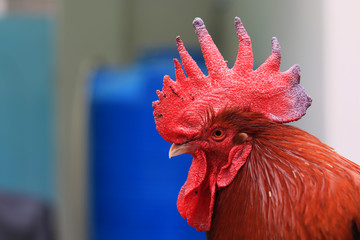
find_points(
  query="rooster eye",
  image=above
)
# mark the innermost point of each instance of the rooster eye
(218, 134)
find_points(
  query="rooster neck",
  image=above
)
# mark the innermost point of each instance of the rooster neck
(292, 186)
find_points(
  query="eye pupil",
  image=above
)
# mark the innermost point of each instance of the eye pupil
(218, 133)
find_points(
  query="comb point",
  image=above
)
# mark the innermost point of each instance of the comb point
(198, 22)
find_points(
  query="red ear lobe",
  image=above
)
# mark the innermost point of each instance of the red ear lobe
(237, 159)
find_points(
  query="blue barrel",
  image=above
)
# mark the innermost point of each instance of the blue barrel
(134, 185)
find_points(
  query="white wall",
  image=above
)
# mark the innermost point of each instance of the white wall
(341, 57)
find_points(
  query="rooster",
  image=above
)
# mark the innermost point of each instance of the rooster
(252, 177)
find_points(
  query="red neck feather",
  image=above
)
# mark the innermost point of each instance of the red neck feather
(292, 186)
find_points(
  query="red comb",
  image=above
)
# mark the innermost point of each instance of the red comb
(276, 94)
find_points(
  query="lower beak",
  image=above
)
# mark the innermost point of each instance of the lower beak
(178, 149)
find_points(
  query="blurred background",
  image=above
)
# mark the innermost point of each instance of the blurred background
(78, 145)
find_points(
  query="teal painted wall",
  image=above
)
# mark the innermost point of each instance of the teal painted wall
(27, 106)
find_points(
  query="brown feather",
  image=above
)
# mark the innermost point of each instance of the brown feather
(291, 187)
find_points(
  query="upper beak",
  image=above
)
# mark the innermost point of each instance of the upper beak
(178, 149)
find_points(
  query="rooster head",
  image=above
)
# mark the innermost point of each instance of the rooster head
(193, 114)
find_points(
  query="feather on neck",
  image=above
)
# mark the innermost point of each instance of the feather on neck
(291, 186)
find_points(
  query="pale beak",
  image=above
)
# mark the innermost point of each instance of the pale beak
(178, 149)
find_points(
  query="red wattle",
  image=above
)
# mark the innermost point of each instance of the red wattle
(197, 196)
